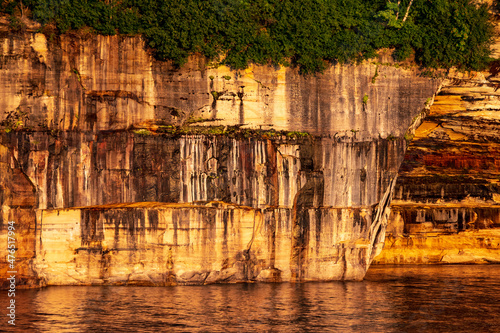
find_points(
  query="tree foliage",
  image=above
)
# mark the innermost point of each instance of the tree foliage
(307, 33)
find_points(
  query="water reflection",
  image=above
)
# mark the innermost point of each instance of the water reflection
(435, 299)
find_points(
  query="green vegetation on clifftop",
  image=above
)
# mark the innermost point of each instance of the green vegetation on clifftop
(307, 33)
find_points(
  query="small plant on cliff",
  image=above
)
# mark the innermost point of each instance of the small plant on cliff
(408, 138)
(16, 24)
(142, 131)
(216, 94)
(297, 134)
(78, 77)
(192, 120)
(391, 137)
(216, 130)
(374, 78)
(14, 120)
(365, 99)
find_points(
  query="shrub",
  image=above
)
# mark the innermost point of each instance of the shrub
(309, 34)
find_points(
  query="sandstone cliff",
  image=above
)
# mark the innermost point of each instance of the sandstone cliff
(299, 170)
(446, 206)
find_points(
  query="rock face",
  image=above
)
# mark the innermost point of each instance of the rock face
(292, 188)
(18, 199)
(288, 178)
(447, 198)
(96, 83)
(164, 244)
(75, 169)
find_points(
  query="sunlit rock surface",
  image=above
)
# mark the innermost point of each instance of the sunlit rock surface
(447, 198)
(91, 122)
(446, 206)
(164, 244)
(94, 83)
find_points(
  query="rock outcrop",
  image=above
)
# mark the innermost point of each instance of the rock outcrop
(446, 206)
(447, 198)
(144, 173)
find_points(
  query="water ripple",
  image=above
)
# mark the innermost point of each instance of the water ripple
(391, 299)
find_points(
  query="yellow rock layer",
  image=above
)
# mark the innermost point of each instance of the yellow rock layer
(481, 246)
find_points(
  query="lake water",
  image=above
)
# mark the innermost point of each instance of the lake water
(390, 299)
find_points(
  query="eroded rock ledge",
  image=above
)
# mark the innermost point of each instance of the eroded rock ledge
(165, 244)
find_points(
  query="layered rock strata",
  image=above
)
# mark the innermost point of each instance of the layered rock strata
(447, 198)
(300, 169)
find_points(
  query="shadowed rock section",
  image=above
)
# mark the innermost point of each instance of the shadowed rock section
(75, 170)
(18, 201)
